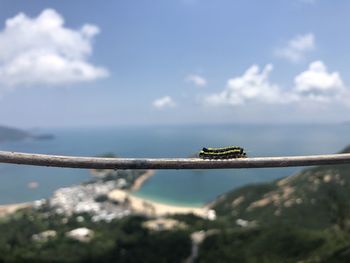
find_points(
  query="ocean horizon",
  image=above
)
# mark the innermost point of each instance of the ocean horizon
(22, 183)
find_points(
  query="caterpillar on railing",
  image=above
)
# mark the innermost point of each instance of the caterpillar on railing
(222, 149)
(230, 152)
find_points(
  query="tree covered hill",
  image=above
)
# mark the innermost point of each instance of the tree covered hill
(300, 218)
(316, 197)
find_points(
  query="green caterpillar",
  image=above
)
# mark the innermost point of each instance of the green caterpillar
(230, 152)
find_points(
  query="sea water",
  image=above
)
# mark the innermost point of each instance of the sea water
(181, 187)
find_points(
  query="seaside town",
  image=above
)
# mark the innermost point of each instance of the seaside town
(109, 196)
(106, 197)
(89, 198)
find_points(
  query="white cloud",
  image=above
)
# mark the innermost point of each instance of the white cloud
(316, 84)
(296, 48)
(252, 86)
(319, 84)
(42, 51)
(164, 102)
(197, 80)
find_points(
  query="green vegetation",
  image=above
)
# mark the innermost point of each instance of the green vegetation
(315, 198)
(305, 217)
(122, 240)
(276, 243)
(273, 244)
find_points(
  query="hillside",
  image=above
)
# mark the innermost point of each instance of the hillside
(300, 218)
(319, 192)
(12, 134)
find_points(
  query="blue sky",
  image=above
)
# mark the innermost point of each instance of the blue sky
(107, 63)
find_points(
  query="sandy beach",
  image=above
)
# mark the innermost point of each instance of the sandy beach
(148, 207)
(151, 208)
(11, 208)
(141, 180)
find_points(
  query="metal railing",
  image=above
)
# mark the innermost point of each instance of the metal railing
(169, 163)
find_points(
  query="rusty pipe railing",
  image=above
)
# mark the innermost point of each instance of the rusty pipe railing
(169, 163)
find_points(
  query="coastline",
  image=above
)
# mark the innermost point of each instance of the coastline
(151, 208)
(138, 205)
(141, 180)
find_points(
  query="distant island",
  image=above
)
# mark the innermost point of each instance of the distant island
(15, 134)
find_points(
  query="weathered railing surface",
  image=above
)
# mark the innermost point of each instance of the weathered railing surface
(169, 163)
